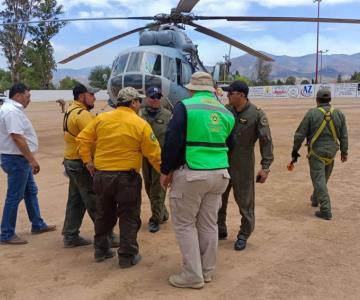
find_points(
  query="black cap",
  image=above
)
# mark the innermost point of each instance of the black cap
(152, 91)
(83, 88)
(237, 86)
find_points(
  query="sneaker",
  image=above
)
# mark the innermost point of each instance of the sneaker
(100, 255)
(323, 215)
(240, 243)
(15, 240)
(180, 282)
(44, 229)
(129, 261)
(154, 227)
(76, 242)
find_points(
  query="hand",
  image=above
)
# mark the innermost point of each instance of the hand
(262, 175)
(295, 155)
(35, 167)
(344, 157)
(91, 168)
(165, 180)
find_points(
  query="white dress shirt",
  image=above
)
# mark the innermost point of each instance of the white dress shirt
(14, 120)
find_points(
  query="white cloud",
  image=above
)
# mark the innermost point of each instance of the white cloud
(288, 3)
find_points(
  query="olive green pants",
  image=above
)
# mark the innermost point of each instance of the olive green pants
(155, 193)
(320, 174)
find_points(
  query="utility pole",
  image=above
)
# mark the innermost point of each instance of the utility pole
(317, 42)
(321, 54)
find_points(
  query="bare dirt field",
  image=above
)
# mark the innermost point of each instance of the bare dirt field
(291, 255)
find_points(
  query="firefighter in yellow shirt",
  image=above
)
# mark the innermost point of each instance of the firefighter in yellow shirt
(121, 138)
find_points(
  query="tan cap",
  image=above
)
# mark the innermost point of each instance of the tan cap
(201, 81)
(128, 94)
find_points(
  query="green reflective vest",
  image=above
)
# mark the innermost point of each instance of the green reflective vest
(209, 124)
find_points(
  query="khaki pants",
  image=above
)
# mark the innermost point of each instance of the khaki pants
(195, 198)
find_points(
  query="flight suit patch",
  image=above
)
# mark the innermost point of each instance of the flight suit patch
(159, 121)
(264, 121)
(243, 121)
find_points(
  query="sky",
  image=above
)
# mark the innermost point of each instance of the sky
(293, 39)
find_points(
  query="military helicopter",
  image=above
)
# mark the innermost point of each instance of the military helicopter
(166, 57)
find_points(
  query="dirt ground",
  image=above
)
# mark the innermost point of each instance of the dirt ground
(291, 255)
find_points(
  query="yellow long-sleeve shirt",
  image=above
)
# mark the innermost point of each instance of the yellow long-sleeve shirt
(77, 117)
(121, 138)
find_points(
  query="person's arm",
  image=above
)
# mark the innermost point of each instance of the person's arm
(173, 151)
(343, 139)
(266, 147)
(85, 140)
(22, 145)
(150, 147)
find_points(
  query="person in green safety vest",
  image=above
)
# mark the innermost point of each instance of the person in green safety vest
(325, 131)
(194, 163)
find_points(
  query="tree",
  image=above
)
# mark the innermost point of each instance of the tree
(339, 79)
(305, 81)
(5, 80)
(239, 77)
(355, 76)
(279, 82)
(263, 71)
(67, 83)
(291, 80)
(97, 77)
(13, 37)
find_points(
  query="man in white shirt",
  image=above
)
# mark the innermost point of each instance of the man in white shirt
(18, 143)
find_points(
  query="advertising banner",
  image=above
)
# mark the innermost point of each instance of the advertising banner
(346, 90)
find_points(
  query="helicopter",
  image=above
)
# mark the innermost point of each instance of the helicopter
(166, 57)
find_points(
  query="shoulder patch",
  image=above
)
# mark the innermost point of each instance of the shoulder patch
(153, 137)
(258, 108)
(264, 121)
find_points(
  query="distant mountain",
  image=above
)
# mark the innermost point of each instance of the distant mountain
(301, 67)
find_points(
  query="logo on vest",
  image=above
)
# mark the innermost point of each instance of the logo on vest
(215, 118)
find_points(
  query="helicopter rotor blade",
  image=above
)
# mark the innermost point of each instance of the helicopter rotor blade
(279, 19)
(185, 6)
(103, 43)
(230, 41)
(75, 19)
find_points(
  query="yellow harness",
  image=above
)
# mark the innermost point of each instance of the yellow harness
(327, 120)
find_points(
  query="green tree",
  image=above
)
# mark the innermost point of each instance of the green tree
(67, 83)
(239, 77)
(279, 82)
(5, 80)
(355, 76)
(305, 81)
(99, 76)
(263, 71)
(291, 80)
(16, 38)
(339, 79)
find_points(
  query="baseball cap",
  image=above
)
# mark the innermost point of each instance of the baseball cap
(237, 86)
(152, 91)
(127, 94)
(81, 88)
(324, 94)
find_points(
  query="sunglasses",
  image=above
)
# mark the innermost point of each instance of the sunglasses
(156, 97)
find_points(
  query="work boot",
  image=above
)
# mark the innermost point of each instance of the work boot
(154, 227)
(100, 255)
(129, 261)
(15, 240)
(323, 215)
(177, 280)
(240, 243)
(47, 228)
(76, 242)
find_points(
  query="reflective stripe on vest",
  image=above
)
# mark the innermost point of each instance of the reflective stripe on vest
(209, 124)
(327, 120)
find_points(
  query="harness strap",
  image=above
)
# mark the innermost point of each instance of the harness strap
(327, 121)
(66, 117)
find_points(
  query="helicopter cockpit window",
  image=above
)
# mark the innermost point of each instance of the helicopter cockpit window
(135, 62)
(186, 73)
(169, 68)
(152, 64)
(120, 64)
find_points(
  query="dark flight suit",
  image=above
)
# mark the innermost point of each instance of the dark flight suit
(158, 122)
(251, 124)
(324, 147)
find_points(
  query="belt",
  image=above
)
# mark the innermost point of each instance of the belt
(131, 172)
